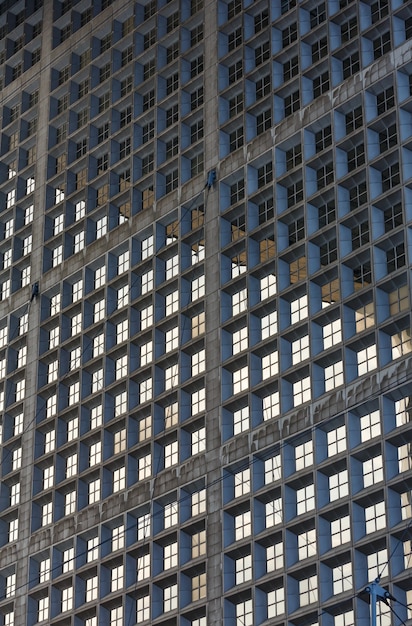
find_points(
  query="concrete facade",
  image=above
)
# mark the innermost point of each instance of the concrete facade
(206, 410)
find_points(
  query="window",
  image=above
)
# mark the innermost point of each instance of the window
(273, 512)
(243, 569)
(367, 359)
(116, 578)
(292, 103)
(382, 45)
(336, 440)
(240, 379)
(353, 119)
(92, 588)
(92, 549)
(42, 609)
(305, 498)
(340, 531)
(94, 491)
(198, 503)
(198, 544)
(375, 517)
(170, 598)
(118, 536)
(308, 590)
(13, 530)
(304, 455)
(271, 406)
(334, 376)
(244, 613)
(116, 616)
(47, 514)
(274, 557)
(338, 485)
(307, 544)
(372, 471)
(342, 578)
(170, 556)
(243, 525)
(171, 453)
(198, 441)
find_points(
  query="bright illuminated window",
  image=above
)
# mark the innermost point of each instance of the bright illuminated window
(243, 569)
(301, 391)
(372, 471)
(242, 482)
(338, 485)
(332, 334)
(367, 359)
(308, 590)
(241, 420)
(342, 578)
(304, 455)
(299, 309)
(336, 440)
(375, 517)
(243, 525)
(305, 499)
(370, 425)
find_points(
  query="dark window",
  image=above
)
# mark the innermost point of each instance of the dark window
(360, 235)
(236, 105)
(328, 252)
(105, 43)
(292, 103)
(172, 52)
(263, 121)
(172, 21)
(172, 83)
(326, 214)
(196, 35)
(296, 230)
(319, 49)
(265, 174)
(324, 175)
(266, 210)
(379, 10)
(289, 34)
(172, 115)
(236, 139)
(388, 138)
(233, 8)
(358, 195)
(362, 275)
(150, 9)
(149, 69)
(234, 39)
(293, 156)
(351, 65)
(261, 20)
(81, 148)
(391, 177)
(396, 257)
(104, 72)
(102, 163)
(196, 131)
(147, 132)
(385, 100)
(127, 55)
(353, 119)
(382, 45)
(196, 98)
(349, 29)
(125, 116)
(356, 156)
(318, 15)
(125, 148)
(262, 53)
(320, 84)
(172, 147)
(393, 217)
(149, 39)
(147, 163)
(295, 193)
(290, 68)
(148, 100)
(103, 132)
(263, 87)
(235, 72)
(196, 66)
(237, 191)
(323, 138)
(172, 181)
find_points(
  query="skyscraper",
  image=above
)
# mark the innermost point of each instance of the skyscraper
(205, 312)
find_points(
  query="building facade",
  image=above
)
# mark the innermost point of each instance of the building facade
(205, 312)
